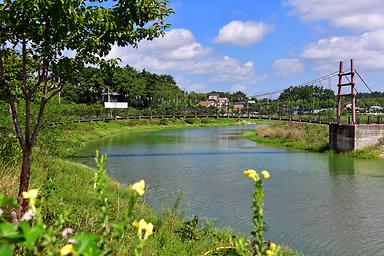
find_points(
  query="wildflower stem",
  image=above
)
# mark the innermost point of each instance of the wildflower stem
(258, 221)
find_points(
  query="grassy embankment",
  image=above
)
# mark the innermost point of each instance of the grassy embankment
(303, 136)
(68, 186)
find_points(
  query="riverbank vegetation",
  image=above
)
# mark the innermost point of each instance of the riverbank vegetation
(304, 136)
(66, 188)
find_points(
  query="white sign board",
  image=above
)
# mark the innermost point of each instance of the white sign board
(251, 102)
(116, 104)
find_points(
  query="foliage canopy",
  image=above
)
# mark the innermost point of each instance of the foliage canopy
(44, 43)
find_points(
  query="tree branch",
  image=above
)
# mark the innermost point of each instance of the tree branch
(40, 76)
(55, 92)
(11, 102)
(44, 72)
(24, 68)
(15, 118)
(39, 122)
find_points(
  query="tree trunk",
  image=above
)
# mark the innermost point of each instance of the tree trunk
(24, 178)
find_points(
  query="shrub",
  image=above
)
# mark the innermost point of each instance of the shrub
(189, 120)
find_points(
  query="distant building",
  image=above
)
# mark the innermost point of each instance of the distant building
(222, 103)
(348, 106)
(375, 109)
(113, 97)
(238, 106)
(114, 100)
(213, 97)
(204, 103)
(215, 101)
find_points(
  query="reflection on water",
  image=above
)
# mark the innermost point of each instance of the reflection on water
(316, 203)
(339, 165)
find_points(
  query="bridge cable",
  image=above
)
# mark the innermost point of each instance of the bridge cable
(325, 77)
(366, 104)
(320, 79)
(379, 101)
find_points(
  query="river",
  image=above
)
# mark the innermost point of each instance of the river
(318, 204)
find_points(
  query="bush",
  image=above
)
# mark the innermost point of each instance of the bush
(163, 121)
(189, 120)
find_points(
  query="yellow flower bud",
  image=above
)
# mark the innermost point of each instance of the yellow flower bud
(67, 249)
(252, 174)
(269, 253)
(139, 187)
(272, 246)
(265, 174)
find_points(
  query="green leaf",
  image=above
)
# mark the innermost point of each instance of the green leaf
(31, 234)
(9, 231)
(85, 244)
(5, 251)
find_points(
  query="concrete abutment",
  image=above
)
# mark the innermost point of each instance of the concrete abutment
(344, 138)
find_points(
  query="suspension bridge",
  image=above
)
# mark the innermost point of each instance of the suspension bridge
(355, 133)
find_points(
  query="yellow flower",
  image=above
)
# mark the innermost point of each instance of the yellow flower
(272, 246)
(139, 187)
(67, 249)
(148, 230)
(143, 225)
(31, 195)
(135, 223)
(252, 174)
(265, 174)
(269, 253)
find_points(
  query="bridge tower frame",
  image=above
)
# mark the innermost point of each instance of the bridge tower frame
(340, 85)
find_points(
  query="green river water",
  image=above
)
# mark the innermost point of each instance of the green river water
(318, 204)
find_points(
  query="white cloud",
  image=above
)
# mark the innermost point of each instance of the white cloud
(367, 49)
(239, 87)
(242, 33)
(189, 86)
(287, 67)
(352, 14)
(178, 51)
(177, 44)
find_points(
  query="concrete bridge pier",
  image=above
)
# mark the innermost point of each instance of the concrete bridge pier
(344, 138)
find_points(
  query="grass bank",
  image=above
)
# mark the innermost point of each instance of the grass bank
(68, 187)
(303, 136)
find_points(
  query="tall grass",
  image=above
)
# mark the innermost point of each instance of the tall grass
(312, 137)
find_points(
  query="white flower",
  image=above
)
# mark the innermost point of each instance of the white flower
(1, 212)
(66, 233)
(72, 241)
(28, 215)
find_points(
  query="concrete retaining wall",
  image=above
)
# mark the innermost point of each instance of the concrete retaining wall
(351, 137)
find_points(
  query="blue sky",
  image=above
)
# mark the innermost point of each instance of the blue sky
(261, 46)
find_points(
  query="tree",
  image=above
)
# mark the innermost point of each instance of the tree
(306, 96)
(43, 43)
